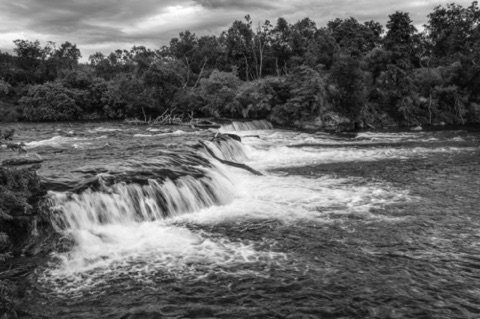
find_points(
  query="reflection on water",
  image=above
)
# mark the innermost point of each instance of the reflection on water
(381, 225)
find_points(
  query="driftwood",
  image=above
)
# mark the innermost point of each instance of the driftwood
(237, 165)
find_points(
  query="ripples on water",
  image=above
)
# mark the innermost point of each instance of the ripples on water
(381, 225)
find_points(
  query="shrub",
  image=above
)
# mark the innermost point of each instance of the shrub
(219, 92)
(52, 102)
(302, 95)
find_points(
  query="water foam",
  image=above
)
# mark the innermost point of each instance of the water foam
(121, 233)
(128, 204)
(62, 141)
(295, 198)
(145, 252)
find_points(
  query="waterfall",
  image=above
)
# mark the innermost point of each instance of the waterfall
(228, 149)
(247, 126)
(150, 199)
(131, 203)
(144, 217)
(129, 219)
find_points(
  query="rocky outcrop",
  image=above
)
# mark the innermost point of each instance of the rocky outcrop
(23, 228)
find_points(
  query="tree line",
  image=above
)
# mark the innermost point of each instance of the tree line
(362, 73)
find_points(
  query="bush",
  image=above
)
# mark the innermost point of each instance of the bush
(257, 98)
(52, 102)
(125, 97)
(304, 95)
(218, 92)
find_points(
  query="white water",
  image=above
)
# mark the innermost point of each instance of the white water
(278, 149)
(247, 126)
(122, 233)
(63, 141)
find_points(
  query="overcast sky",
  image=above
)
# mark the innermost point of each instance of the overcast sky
(107, 25)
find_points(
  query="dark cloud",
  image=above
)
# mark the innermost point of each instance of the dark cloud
(243, 5)
(105, 25)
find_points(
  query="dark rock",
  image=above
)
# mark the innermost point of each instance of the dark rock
(21, 161)
(233, 136)
(21, 202)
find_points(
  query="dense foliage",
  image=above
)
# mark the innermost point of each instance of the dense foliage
(364, 73)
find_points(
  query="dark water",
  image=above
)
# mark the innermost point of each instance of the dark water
(384, 225)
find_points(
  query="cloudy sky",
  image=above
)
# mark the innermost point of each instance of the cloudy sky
(106, 25)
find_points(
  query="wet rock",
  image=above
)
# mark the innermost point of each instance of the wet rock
(227, 135)
(21, 161)
(21, 196)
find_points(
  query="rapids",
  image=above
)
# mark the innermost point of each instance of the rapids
(377, 225)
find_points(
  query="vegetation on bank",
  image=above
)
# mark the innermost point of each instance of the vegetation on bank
(293, 74)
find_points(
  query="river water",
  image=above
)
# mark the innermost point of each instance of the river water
(376, 225)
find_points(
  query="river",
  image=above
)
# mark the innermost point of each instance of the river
(367, 225)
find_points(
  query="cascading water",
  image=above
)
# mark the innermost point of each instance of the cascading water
(247, 126)
(124, 222)
(337, 226)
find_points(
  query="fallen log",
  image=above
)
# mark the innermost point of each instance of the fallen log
(237, 165)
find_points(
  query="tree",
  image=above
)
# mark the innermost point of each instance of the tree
(304, 95)
(52, 102)
(124, 97)
(321, 50)
(400, 34)
(67, 56)
(260, 46)
(30, 55)
(218, 92)
(354, 38)
(281, 49)
(453, 30)
(300, 35)
(239, 46)
(163, 79)
(350, 84)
